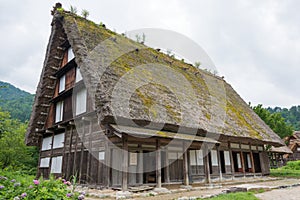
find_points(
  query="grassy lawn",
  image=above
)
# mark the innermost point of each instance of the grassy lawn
(291, 170)
(236, 196)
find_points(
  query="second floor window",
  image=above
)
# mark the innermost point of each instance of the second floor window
(62, 83)
(78, 75)
(81, 101)
(59, 111)
(70, 54)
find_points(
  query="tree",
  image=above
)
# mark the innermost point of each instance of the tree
(73, 9)
(274, 120)
(14, 154)
(85, 13)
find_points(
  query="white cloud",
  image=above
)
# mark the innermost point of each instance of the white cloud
(254, 44)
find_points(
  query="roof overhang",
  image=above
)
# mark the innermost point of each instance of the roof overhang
(146, 133)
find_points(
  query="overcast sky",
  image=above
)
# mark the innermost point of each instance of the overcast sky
(254, 44)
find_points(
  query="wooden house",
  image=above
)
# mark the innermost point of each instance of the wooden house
(278, 155)
(82, 130)
(293, 143)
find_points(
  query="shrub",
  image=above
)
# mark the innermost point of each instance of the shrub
(14, 185)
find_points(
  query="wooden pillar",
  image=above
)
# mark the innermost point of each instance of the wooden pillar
(82, 151)
(219, 162)
(186, 181)
(140, 166)
(51, 154)
(64, 160)
(125, 163)
(75, 170)
(158, 164)
(167, 169)
(252, 160)
(88, 168)
(206, 165)
(69, 153)
(243, 163)
(231, 160)
(107, 165)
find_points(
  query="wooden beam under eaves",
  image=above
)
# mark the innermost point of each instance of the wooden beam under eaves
(61, 126)
(55, 68)
(48, 96)
(60, 48)
(49, 131)
(38, 130)
(50, 87)
(52, 77)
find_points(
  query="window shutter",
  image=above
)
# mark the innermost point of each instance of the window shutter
(59, 111)
(81, 102)
(58, 141)
(62, 83)
(78, 75)
(70, 54)
(56, 164)
(46, 145)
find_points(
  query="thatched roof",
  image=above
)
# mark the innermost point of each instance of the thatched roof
(283, 149)
(160, 90)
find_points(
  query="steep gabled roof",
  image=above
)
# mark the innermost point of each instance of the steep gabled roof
(178, 94)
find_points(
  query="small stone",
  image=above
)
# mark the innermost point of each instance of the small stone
(162, 190)
(123, 195)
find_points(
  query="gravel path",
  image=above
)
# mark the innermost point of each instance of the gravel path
(281, 194)
(198, 191)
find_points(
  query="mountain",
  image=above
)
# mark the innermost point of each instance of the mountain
(291, 115)
(15, 101)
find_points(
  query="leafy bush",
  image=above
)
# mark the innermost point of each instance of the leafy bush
(292, 165)
(17, 186)
(238, 195)
(14, 154)
(292, 169)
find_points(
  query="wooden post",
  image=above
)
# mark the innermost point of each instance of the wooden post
(125, 163)
(252, 160)
(158, 164)
(88, 170)
(231, 160)
(64, 161)
(70, 153)
(219, 162)
(140, 166)
(107, 165)
(185, 166)
(82, 152)
(75, 155)
(51, 155)
(206, 165)
(243, 163)
(167, 169)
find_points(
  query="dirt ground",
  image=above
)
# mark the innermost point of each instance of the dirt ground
(280, 194)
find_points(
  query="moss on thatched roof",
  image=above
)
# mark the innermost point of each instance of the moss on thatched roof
(158, 87)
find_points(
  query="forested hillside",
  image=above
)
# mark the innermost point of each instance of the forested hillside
(291, 115)
(15, 101)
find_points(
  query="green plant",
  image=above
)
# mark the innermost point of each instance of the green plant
(85, 13)
(197, 64)
(138, 37)
(60, 10)
(73, 9)
(238, 195)
(292, 169)
(17, 185)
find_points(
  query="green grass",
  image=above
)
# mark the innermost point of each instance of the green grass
(291, 170)
(236, 196)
